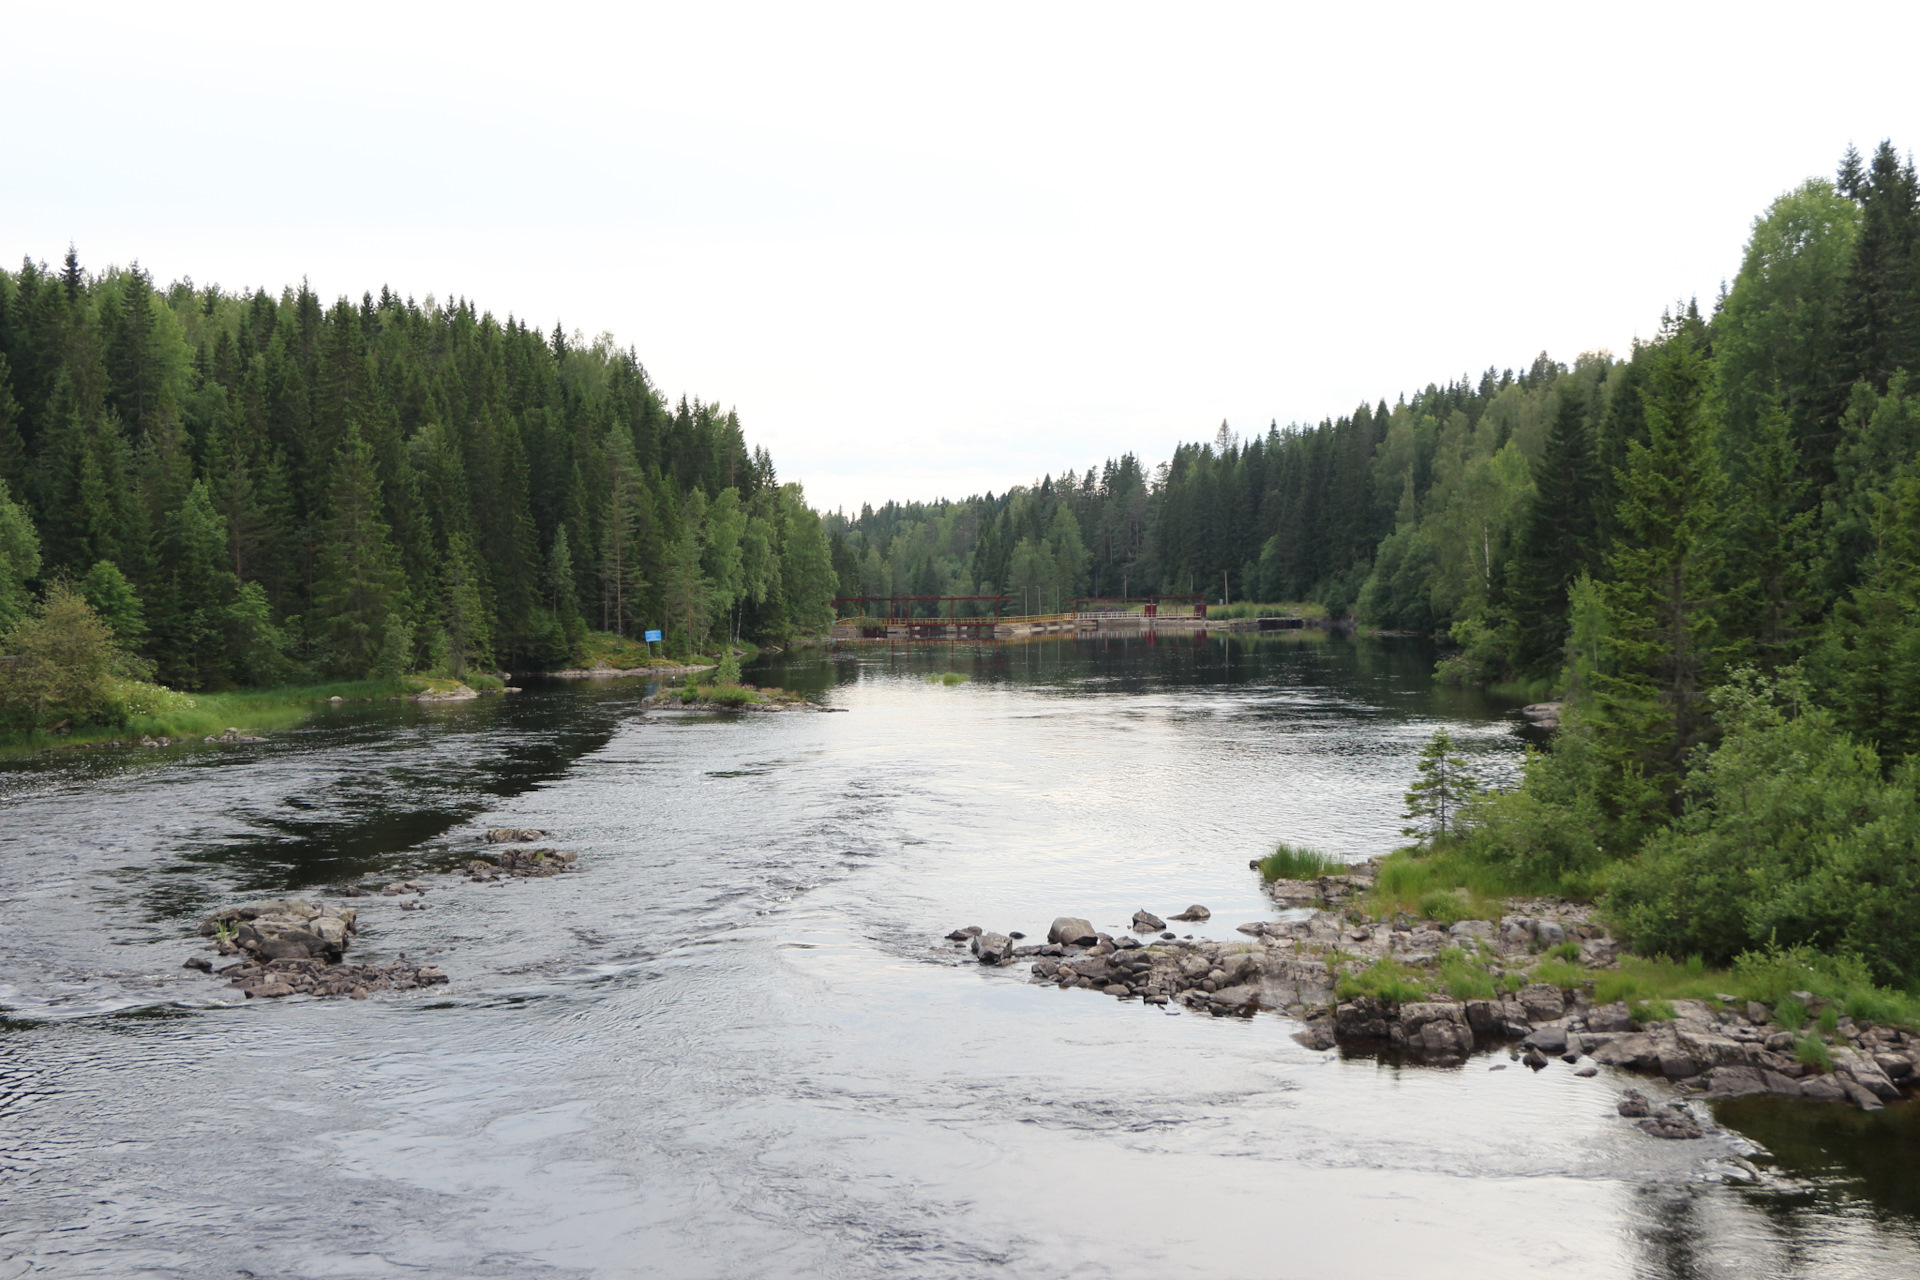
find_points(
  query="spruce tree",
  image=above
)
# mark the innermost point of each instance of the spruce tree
(1441, 791)
(107, 590)
(357, 595)
(1663, 634)
(1868, 665)
(1559, 540)
(19, 559)
(1770, 531)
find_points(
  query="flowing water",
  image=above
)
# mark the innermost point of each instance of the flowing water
(733, 1045)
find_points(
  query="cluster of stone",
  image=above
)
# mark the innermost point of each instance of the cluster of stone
(282, 929)
(276, 978)
(522, 863)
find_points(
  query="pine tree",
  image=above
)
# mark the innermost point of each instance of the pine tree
(359, 612)
(464, 617)
(1443, 789)
(191, 626)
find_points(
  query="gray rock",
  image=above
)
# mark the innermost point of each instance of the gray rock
(1195, 912)
(1071, 931)
(1861, 1096)
(1547, 1039)
(1147, 922)
(1639, 1052)
(1633, 1104)
(1678, 1066)
(1896, 1066)
(1471, 929)
(1548, 934)
(1865, 1072)
(1587, 1071)
(1316, 1036)
(1735, 1082)
(201, 963)
(1825, 1088)
(1670, 1124)
(1542, 1002)
(1610, 1017)
(1535, 1059)
(993, 948)
(1757, 1013)
(268, 990)
(515, 835)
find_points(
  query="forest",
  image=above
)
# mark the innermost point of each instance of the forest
(248, 490)
(1708, 546)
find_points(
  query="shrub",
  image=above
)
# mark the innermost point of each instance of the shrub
(728, 670)
(1291, 862)
(1792, 836)
(66, 665)
(1569, 951)
(1790, 1013)
(1811, 1051)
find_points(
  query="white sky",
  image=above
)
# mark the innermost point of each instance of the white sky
(932, 250)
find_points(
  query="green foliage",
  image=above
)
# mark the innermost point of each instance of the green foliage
(112, 597)
(19, 548)
(1792, 836)
(1442, 789)
(1386, 980)
(1560, 974)
(1294, 862)
(1811, 1051)
(1463, 978)
(66, 665)
(1565, 951)
(728, 670)
(1644, 1011)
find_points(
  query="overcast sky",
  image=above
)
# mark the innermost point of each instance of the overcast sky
(933, 250)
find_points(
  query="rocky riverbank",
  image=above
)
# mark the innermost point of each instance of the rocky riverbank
(291, 946)
(1368, 985)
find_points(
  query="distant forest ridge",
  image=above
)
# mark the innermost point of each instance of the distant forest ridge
(1467, 510)
(255, 487)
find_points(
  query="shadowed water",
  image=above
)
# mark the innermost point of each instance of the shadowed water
(730, 1047)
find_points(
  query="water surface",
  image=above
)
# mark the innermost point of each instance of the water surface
(731, 1046)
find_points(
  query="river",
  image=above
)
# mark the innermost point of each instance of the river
(733, 1046)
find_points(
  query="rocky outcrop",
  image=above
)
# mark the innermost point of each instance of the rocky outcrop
(276, 978)
(283, 929)
(515, 835)
(520, 864)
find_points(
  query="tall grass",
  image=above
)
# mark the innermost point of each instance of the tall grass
(1293, 862)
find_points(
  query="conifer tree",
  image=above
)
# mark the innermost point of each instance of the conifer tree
(1770, 527)
(191, 627)
(112, 597)
(1441, 791)
(1664, 643)
(358, 605)
(464, 617)
(1869, 661)
(1558, 542)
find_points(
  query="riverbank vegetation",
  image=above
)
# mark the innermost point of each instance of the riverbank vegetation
(254, 489)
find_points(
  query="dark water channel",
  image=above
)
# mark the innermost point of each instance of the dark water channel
(728, 1047)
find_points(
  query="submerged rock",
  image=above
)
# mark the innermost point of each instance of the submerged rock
(521, 863)
(1196, 912)
(1146, 922)
(515, 835)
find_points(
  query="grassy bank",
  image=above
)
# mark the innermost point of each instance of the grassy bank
(248, 710)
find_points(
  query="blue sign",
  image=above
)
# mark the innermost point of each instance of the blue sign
(652, 637)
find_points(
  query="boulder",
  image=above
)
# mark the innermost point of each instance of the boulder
(1547, 1039)
(1712, 1050)
(268, 990)
(515, 835)
(1865, 1072)
(1825, 1088)
(1736, 1082)
(1196, 912)
(1757, 1013)
(1471, 929)
(1548, 934)
(1610, 1017)
(1542, 1002)
(1316, 1036)
(1145, 921)
(1678, 1066)
(1071, 931)
(1535, 1059)
(1634, 1104)
(1361, 1019)
(1639, 1052)
(1861, 1096)
(993, 948)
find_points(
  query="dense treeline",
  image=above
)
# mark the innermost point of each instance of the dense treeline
(246, 488)
(1711, 545)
